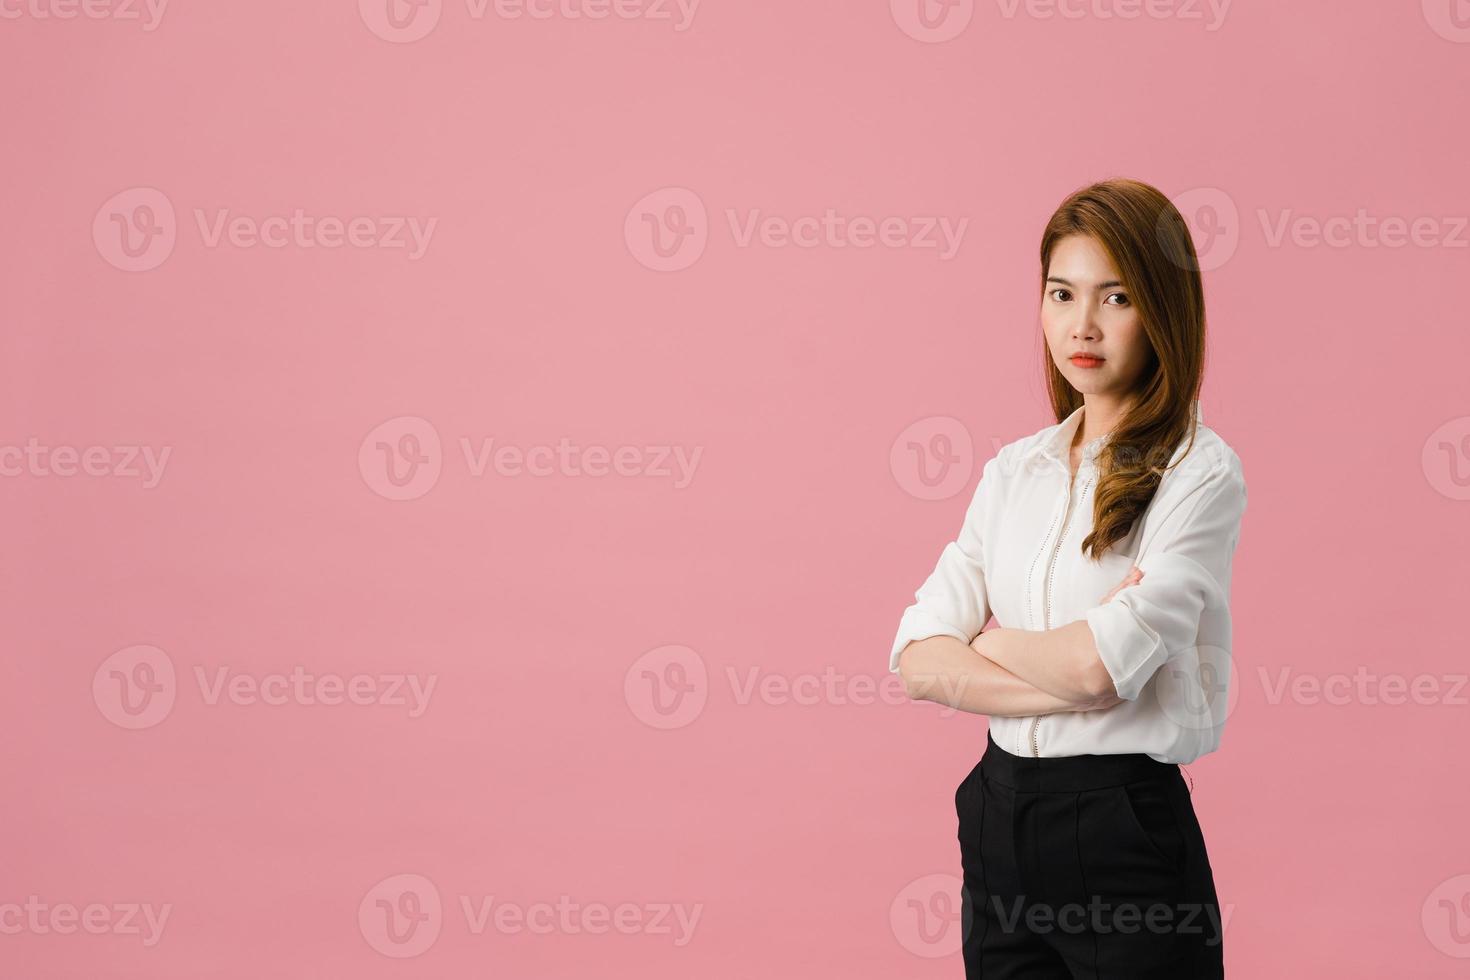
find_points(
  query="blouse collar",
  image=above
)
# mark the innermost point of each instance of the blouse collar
(1056, 443)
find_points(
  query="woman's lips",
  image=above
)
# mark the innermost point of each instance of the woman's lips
(1086, 362)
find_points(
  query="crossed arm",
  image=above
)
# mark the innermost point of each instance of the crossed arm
(1013, 672)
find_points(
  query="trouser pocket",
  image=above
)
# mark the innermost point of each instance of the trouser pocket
(1147, 814)
(959, 793)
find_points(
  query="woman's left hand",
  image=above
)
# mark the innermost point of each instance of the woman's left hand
(1134, 576)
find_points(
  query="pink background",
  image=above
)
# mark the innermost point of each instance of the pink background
(814, 836)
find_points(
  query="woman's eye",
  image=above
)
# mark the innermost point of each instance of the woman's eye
(1060, 295)
(1120, 296)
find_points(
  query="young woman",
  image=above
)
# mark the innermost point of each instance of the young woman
(1102, 545)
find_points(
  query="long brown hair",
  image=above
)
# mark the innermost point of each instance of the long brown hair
(1149, 243)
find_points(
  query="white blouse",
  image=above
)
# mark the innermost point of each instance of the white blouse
(1165, 641)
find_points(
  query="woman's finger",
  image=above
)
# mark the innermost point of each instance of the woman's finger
(1134, 576)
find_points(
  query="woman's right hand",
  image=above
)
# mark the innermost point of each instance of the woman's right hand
(1097, 704)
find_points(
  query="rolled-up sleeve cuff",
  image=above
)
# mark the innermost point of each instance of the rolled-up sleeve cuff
(1128, 647)
(916, 624)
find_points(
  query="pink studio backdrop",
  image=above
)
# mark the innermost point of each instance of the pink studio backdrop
(458, 491)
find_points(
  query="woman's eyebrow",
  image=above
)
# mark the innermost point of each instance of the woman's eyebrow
(1102, 285)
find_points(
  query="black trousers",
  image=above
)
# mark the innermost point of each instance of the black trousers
(1084, 866)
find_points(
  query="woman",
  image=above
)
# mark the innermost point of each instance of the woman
(1103, 546)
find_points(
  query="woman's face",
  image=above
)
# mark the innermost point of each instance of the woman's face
(1085, 309)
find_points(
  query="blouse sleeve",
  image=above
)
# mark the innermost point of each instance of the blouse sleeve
(953, 600)
(1186, 562)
